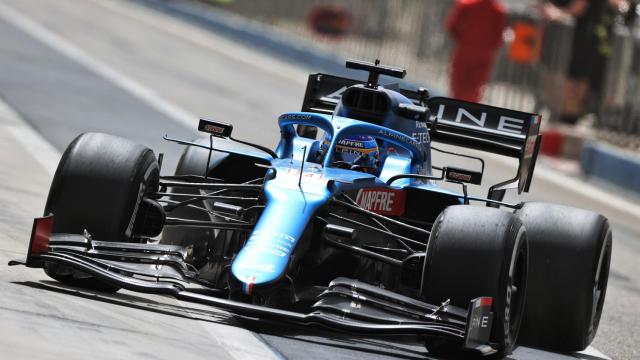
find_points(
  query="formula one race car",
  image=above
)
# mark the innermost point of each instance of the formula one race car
(346, 228)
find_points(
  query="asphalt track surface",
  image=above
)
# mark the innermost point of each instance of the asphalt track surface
(68, 67)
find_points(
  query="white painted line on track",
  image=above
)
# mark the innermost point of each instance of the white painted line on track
(39, 148)
(138, 90)
(208, 40)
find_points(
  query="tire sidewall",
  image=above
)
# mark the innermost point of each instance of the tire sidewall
(85, 194)
(516, 246)
(570, 248)
(500, 260)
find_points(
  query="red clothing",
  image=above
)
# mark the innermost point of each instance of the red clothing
(476, 26)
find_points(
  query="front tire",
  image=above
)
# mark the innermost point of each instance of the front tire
(98, 186)
(473, 252)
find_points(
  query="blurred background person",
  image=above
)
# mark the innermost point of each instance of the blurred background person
(590, 49)
(476, 27)
(632, 14)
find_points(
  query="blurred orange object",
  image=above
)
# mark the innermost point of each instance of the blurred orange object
(526, 45)
(330, 20)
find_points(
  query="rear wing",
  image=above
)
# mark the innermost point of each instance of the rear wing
(475, 126)
(488, 128)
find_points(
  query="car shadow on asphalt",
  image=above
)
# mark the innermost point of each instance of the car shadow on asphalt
(372, 346)
(135, 302)
(398, 347)
(381, 346)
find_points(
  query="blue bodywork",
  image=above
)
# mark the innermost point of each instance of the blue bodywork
(301, 182)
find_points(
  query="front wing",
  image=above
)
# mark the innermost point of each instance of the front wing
(346, 305)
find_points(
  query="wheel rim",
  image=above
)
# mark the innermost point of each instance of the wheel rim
(515, 292)
(600, 285)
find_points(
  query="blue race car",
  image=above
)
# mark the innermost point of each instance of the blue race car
(344, 225)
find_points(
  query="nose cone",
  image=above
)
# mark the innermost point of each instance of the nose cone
(264, 258)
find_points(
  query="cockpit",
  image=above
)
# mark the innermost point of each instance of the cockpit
(381, 105)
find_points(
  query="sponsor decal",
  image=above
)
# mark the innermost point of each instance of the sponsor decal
(270, 242)
(351, 143)
(510, 124)
(463, 175)
(390, 202)
(422, 138)
(356, 151)
(295, 117)
(479, 320)
(476, 117)
(291, 174)
(458, 176)
(213, 129)
(396, 136)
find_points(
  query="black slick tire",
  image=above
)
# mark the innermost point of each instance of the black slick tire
(98, 187)
(570, 252)
(473, 252)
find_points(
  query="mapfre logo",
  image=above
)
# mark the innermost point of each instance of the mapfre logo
(389, 202)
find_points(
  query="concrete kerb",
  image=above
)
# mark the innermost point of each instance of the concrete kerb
(597, 159)
(565, 141)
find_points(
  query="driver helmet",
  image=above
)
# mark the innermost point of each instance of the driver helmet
(357, 150)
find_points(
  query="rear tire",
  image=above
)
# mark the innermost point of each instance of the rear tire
(474, 252)
(569, 269)
(98, 186)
